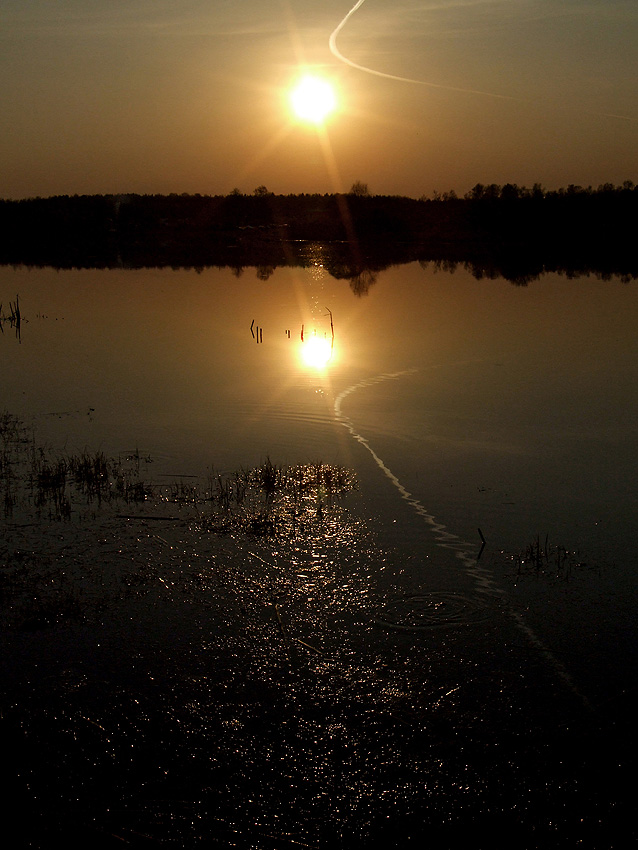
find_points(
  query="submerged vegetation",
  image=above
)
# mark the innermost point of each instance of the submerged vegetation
(33, 477)
(267, 500)
(271, 500)
(55, 505)
(13, 318)
(551, 561)
(278, 684)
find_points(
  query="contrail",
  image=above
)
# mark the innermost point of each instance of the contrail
(338, 55)
(483, 577)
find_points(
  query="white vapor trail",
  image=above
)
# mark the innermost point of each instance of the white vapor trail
(482, 576)
(338, 55)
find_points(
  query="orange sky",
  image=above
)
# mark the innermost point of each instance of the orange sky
(156, 96)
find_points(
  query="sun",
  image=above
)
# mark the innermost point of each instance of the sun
(313, 99)
(316, 352)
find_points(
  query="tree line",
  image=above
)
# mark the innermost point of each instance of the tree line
(492, 226)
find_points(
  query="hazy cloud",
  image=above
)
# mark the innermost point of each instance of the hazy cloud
(71, 20)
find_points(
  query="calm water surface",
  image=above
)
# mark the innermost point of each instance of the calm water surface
(461, 405)
(509, 407)
(513, 409)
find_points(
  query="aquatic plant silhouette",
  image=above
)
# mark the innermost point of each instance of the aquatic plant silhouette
(13, 318)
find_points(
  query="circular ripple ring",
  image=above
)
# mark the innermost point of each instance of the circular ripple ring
(432, 610)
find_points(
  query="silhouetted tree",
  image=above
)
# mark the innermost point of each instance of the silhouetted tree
(476, 193)
(511, 192)
(360, 189)
(537, 191)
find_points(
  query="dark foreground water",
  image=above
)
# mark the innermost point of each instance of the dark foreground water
(348, 672)
(191, 691)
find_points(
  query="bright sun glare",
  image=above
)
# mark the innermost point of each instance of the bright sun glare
(316, 352)
(313, 99)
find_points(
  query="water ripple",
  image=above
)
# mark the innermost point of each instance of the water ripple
(427, 611)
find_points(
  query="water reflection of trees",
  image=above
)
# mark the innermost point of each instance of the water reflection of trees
(362, 273)
(265, 272)
(507, 232)
(360, 284)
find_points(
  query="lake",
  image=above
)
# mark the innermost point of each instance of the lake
(492, 429)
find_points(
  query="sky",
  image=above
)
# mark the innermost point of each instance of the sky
(152, 96)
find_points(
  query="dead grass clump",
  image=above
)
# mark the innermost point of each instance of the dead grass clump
(542, 559)
(268, 500)
(272, 500)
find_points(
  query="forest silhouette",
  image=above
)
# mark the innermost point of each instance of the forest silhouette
(494, 231)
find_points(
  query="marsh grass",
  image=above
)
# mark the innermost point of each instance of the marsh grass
(266, 500)
(41, 586)
(57, 484)
(271, 500)
(60, 484)
(49, 485)
(45, 582)
(13, 318)
(544, 559)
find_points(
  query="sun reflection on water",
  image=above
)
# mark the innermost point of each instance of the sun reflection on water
(316, 352)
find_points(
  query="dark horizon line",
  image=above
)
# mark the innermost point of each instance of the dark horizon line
(358, 189)
(514, 230)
